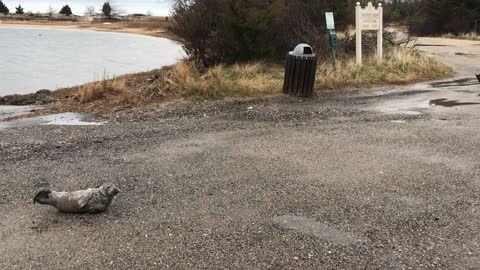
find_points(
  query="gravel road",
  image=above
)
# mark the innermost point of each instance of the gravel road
(358, 179)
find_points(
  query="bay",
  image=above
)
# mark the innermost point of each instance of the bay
(33, 59)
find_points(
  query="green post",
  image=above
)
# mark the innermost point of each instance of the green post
(333, 44)
(334, 60)
(332, 36)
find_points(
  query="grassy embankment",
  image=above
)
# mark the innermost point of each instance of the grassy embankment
(183, 81)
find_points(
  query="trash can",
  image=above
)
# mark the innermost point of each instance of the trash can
(300, 71)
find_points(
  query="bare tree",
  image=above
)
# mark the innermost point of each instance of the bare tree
(90, 11)
(116, 10)
(51, 11)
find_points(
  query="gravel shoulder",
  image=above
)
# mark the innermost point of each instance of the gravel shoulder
(332, 182)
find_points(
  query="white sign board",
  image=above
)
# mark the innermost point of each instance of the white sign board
(330, 21)
(369, 18)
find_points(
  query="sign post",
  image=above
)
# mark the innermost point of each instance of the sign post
(332, 36)
(368, 18)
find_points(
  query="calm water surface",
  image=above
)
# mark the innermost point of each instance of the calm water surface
(33, 59)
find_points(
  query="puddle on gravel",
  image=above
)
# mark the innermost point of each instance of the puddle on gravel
(404, 106)
(61, 119)
(450, 103)
(7, 111)
(312, 227)
(453, 83)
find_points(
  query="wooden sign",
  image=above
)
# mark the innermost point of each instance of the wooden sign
(369, 18)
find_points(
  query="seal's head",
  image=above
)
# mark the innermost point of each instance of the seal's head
(109, 189)
(43, 195)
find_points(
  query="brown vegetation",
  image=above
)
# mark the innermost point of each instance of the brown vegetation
(111, 91)
(241, 80)
(400, 66)
(149, 23)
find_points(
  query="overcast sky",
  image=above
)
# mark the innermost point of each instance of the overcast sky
(156, 7)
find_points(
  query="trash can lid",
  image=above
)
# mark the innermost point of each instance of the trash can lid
(302, 50)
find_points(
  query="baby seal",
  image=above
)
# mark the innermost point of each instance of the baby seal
(92, 200)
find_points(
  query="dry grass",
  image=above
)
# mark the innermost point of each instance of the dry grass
(400, 66)
(241, 80)
(113, 91)
(466, 36)
(149, 23)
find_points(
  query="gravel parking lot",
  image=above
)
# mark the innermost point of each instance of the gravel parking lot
(357, 179)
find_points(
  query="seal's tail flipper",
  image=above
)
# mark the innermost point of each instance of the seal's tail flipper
(42, 196)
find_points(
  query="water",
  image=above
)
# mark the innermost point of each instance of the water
(33, 59)
(156, 7)
(61, 119)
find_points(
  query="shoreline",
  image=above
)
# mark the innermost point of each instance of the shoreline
(113, 28)
(161, 85)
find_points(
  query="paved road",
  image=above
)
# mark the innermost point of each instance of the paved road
(462, 54)
(373, 179)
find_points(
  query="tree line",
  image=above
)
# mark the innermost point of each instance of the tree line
(107, 10)
(431, 17)
(217, 31)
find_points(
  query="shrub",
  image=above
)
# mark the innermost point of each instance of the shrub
(444, 16)
(219, 31)
(107, 9)
(19, 10)
(66, 10)
(246, 31)
(114, 89)
(90, 11)
(398, 10)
